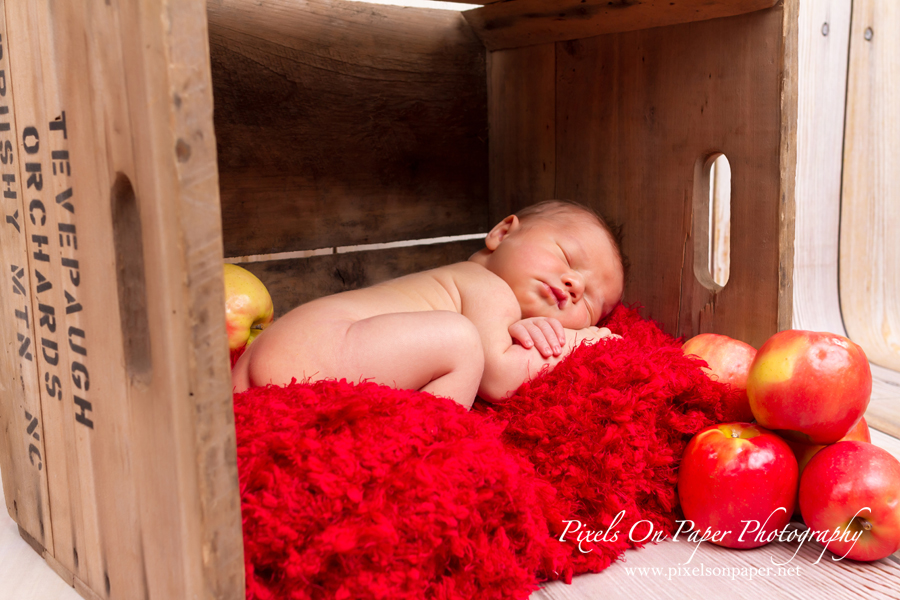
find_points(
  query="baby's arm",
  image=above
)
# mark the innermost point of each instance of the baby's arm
(506, 368)
(492, 307)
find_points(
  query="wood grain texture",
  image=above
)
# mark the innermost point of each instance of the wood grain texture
(787, 157)
(33, 92)
(22, 449)
(294, 282)
(823, 88)
(634, 113)
(870, 210)
(522, 122)
(146, 423)
(823, 43)
(653, 571)
(344, 123)
(883, 412)
(517, 23)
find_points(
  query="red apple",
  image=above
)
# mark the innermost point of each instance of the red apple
(854, 487)
(740, 479)
(805, 452)
(248, 308)
(810, 387)
(728, 361)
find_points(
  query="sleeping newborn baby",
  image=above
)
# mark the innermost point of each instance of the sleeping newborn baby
(546, 276)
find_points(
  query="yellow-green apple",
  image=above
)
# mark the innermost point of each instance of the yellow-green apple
(810, 387)
(854, 487)
(248, 308)
(728, 361)
(739, 481)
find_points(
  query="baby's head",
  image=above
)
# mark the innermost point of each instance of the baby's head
(561, 260)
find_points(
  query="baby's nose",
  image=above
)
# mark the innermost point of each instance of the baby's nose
(574, 285)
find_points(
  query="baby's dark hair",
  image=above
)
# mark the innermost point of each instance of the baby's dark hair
(551, 208)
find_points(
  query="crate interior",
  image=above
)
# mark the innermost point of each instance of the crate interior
(342, 124)
(347, 124)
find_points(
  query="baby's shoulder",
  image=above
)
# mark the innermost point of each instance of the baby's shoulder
(467, 274)
(480, 288)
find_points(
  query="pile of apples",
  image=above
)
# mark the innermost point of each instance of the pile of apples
(807, 452)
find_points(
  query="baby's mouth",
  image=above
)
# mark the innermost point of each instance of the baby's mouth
(559, 295)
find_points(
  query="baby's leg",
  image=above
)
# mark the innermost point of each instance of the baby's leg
(433, 351)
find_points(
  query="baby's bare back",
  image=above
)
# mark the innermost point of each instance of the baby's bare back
(311, 341)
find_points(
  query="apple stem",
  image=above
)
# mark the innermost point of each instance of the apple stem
(864, 524)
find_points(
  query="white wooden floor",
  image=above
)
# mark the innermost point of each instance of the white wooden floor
(23, 574)
(666, 570)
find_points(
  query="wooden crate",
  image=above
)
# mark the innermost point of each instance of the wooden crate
(144, 141)
(118, 446)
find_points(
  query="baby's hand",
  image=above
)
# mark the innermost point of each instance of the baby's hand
(544, 333)
(593, 334)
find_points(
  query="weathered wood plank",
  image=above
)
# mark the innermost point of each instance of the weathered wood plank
(296, 281)
(823, 42)
(22, 449)
(119, 96)
(344, 123)
(883, 412)
(824, 46)
(667, 571)
(519, 23)
(36, 96)
(870, 209)
(522, 122)
(637, 112)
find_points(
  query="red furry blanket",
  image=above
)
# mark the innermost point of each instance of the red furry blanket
(362, 491)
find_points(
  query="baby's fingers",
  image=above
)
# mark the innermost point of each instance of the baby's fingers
(606, 333)
(520, 334)
(553, 334)
(558, 329)
(539, 338)
(528, 335)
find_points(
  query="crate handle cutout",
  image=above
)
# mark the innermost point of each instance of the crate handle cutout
(130, 280)
(712, 221)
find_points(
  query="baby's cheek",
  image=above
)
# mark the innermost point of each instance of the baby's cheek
(576, 320)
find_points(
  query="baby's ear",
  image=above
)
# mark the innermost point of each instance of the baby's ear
(500, 231)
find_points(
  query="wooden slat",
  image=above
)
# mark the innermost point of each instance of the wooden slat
(637, 111)
(824, 42)
(522, 121)
(883, 412)
(519, 23)
(870, 210)
(295, 281)
(787, 161)
(36, 96)
(824, 46)
(23, 454)
(147, 484)
(345, 123)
